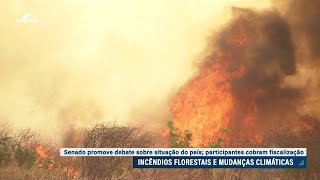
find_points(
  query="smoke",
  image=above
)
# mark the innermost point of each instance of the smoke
(262, 43)
(303, 19)
(86, 62)
(259, 73)
(259, 79)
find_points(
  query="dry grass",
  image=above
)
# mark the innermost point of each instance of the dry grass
(120, 168)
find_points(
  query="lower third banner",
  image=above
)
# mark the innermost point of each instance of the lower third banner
(220, 162)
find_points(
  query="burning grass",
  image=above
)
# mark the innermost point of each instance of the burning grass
(47, 164)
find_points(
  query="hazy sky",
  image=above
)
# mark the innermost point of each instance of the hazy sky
(89, 61)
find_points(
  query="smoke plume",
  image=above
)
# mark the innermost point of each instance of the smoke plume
(259, 74)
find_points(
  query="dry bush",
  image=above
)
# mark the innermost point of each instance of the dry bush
(17, 146)
(110, 135)
(18, 159)
(19, 173)
(6, 144)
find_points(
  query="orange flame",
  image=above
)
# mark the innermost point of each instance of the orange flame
(47, 161)
(206, 104)
(204, 107)
(42, 151)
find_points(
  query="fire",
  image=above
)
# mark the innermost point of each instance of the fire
(42, 152)
(217, 97)
(241, 84)
(45, 160)
(204, 106)
(50, 162)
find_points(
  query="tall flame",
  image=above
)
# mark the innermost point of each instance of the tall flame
(205, 104)
(246, 67)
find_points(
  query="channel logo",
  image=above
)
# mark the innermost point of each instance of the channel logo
(27, 18)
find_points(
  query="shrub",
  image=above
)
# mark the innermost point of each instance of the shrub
(178, 140)
(110, 135)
